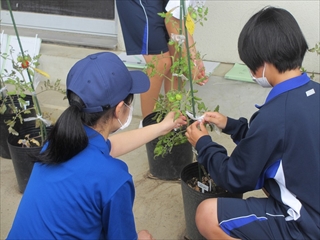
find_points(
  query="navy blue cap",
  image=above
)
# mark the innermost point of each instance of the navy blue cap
(102, 79)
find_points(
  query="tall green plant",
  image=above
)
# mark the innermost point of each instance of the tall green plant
(184, 99)
(43, 131)
(24, 63)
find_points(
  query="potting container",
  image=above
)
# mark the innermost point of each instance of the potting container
(192, 198)
(170, 166)
(23, 157)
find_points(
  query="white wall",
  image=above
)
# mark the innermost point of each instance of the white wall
(217, 39)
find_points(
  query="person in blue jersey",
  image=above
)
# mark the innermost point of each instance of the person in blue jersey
(78, 188)
(146, 33)
(278, 150)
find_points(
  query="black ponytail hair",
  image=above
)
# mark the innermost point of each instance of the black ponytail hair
(68, 137)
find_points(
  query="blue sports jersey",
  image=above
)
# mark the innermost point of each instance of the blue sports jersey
(279, 150)
(88, 197)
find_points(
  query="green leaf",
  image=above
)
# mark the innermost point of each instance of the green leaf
(162, 14)
(3, 109)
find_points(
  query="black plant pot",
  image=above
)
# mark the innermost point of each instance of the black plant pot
(4, 150)
(170, 166)
(22, 157)
(192, 198)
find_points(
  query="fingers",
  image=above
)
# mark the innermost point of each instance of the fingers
(203, 82)
(195, 131)
(202, 127)
(216, 118)
(199, 73)
(212, 116)
(172, 122)
(196, 127)
(202, 79)
(182, 118)
(145, 235)
(181, 121)
(191, 127)
(178, 123)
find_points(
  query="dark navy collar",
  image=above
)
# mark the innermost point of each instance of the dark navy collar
(286, 86)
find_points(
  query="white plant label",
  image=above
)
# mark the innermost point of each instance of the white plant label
(203, 187)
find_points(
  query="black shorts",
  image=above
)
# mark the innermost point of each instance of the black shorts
(143, 30)
(256, 218)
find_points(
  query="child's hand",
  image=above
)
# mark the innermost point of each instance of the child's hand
(169, 122)
(195, 131)
(216, 118)
(145, 235)
(198, 73)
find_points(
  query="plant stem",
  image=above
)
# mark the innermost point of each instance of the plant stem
(179, 50)
(188, 59)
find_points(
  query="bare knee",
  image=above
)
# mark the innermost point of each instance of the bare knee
(207, 220)
(206, 215)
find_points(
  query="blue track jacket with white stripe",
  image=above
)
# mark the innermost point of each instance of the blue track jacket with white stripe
(279, 150)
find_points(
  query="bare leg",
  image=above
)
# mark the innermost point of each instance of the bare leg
(149, 98)
(207, 220)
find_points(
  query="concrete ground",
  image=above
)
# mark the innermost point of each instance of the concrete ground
(158, 204)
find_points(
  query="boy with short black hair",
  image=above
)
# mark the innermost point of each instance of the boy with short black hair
(278, 151)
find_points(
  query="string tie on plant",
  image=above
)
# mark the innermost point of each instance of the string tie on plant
(45, 121)
(200, 119)
(194, 151)
(4, 89)
(183, 77)
(178, 38)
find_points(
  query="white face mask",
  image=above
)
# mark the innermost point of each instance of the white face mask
(262, 81)
(127, 123)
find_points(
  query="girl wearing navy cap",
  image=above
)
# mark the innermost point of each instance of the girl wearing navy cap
(78, 189)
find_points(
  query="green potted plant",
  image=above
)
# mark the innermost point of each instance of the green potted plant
(15, 104)
(171, 156)
(168, 154)
(26, 142)
(183, 100)
(24, 126)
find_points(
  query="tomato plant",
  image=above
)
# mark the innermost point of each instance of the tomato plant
(20, 86)
(183, 98)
